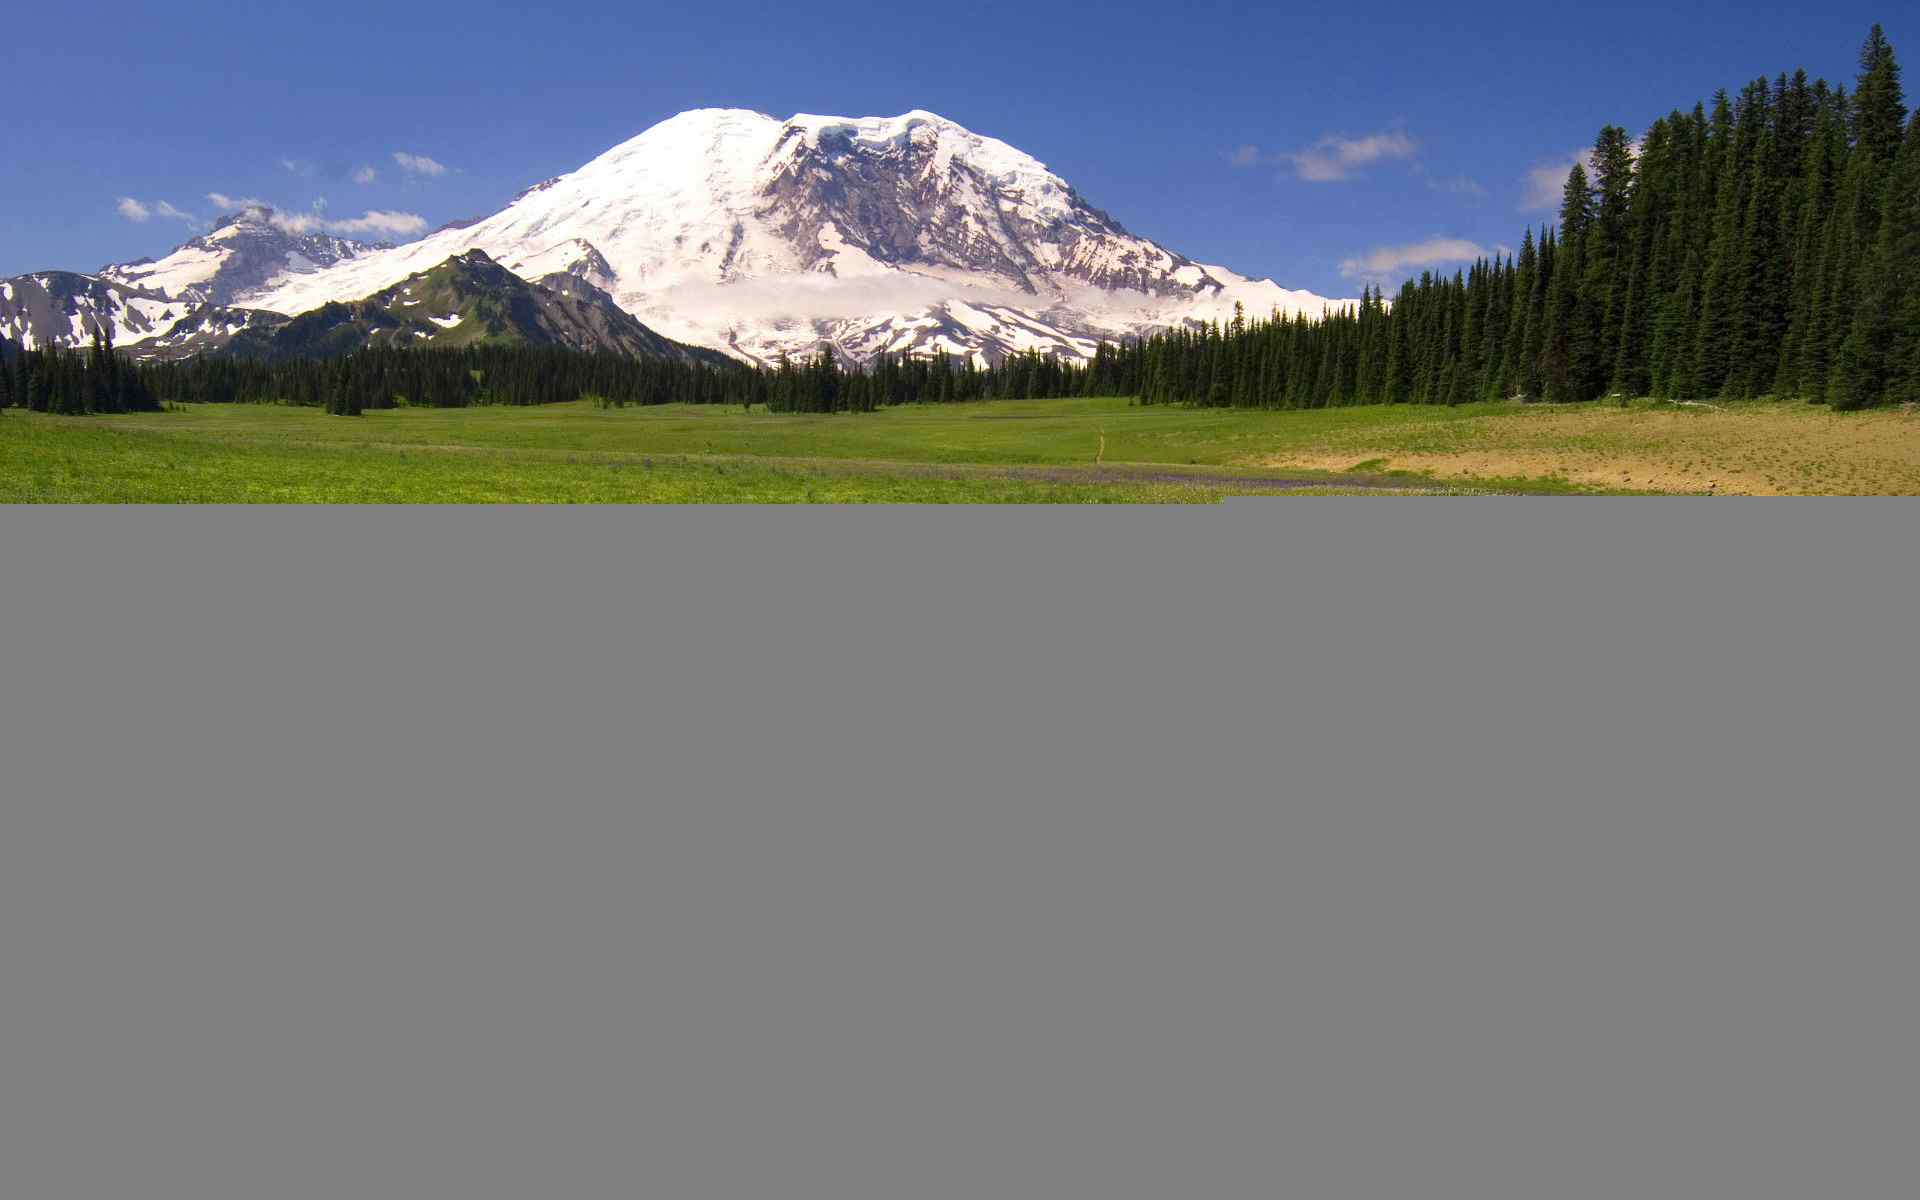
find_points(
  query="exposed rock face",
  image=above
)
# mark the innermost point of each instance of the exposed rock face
(914, 199)
(208, 329)
(61, 308)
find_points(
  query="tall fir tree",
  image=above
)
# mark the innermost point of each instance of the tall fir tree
(1879, 105)
(1900, 246)
(1567, 341)
(1802, 357)
(1875, 360)
(1605, 253)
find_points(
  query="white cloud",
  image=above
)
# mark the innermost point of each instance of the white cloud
(1334, 157)
(142, 210)
(389, 224)
(295, 166)
(392, 224)
(364, 175)
(296, 223)
(418, 164)
(1547, 181)
(1387, 262)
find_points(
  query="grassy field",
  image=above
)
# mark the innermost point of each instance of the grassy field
(1056, 451)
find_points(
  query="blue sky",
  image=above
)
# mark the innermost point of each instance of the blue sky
(1313, 144)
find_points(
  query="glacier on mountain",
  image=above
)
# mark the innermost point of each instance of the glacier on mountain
(761, 236)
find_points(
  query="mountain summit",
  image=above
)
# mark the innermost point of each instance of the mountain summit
(246, 253)
(763, 236)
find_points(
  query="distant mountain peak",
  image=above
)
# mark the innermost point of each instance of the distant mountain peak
(764, 235)
(252, 214)
(245, 254)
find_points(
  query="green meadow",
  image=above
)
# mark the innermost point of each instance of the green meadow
(1027, 451)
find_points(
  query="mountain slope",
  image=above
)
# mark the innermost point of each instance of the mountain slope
(245, 255)
(61, 308)
(465, 300)
(208, 329)
(735, 229)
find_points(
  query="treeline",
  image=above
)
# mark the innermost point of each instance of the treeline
(71, 382)
(445, 378)
(53, 381)
(1769, 245)
(822, 385)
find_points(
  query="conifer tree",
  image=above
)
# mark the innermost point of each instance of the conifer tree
(1530, 377)
(39, 386)
(1879, 105)
(1874, 359)
(1673, 362)
(1825, 148)
(1605, 247)
(1648, 220)
(1758, 315)
(1900, 247)
(1846, 370)
(1399, 369)
(1511, 380)
(1568, 343)
(1494, 330)
(1733, 150)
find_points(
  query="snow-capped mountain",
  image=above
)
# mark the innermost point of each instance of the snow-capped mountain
(245, 255)
(197, 297)
(61, 308)
(734, 229)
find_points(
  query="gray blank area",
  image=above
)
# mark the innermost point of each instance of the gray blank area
(1345, 850)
